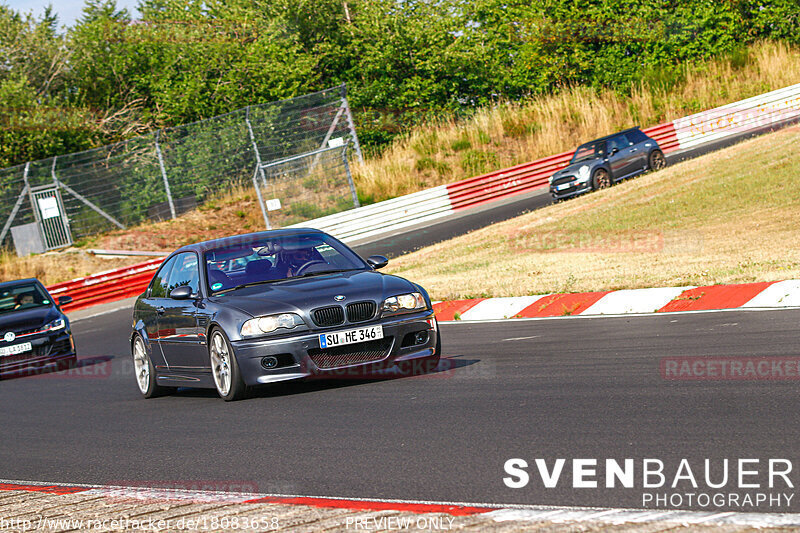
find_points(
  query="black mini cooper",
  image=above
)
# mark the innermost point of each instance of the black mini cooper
(34, 333)
(279, 305)
(600, 163)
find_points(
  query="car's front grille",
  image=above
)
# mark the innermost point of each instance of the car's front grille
(328, 316)
(351, 354)
(563, 179)
(360, 311)
(18, 333)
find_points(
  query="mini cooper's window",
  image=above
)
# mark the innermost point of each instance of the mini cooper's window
(619, 142)
(23, 296)
(184, 272)
(590, 150)
(277, 258)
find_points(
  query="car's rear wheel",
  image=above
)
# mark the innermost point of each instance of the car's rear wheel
(424, 365)
(224, 369)
(145, 371)
(657, 160)
(601, 179)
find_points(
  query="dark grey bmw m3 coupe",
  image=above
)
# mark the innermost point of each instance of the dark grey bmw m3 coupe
(278, 305)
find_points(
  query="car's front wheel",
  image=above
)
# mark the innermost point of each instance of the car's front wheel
(657, 160)
(145, 372)
(225, 370)
(601, 179)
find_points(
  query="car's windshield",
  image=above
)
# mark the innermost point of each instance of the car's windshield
(591, 150)
(22, 296)
(267, 259)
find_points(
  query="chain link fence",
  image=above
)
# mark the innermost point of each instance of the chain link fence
(294, 152)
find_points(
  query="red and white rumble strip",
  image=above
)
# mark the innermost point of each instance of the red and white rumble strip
(467, 514)
(763, 295)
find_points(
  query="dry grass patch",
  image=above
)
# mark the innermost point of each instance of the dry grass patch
(57, 267)
(732, 216)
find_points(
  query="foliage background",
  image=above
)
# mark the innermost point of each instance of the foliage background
(108, 78)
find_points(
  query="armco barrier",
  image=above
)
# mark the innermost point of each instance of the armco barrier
(438, 202)
(754, 114)
(751, 115)
(108, 286)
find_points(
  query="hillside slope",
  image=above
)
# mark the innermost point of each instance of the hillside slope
(732, 216)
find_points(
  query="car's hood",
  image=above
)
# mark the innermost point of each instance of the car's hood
(26, 319)
(575, 167)
(312, 292)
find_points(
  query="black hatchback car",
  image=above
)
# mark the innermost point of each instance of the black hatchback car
(279, 305)
(34, 333)
(600, 163)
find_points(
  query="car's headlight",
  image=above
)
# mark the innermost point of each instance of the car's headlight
(54, 325)
(583, 173)
(404, 303)
(550, 179)
(269, 323)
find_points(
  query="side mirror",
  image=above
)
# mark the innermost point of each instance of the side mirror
(184, 292)
(377, 261)
(64, 300)
(614, 150)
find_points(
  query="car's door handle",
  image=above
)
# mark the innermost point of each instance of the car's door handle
(634, 149)
(160, 310)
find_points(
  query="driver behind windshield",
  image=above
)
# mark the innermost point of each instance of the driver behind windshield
(24, 299)
(291, 262)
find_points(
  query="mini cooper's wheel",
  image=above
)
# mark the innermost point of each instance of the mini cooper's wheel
(224, 368)
(145, 372)
(657, 160)
(424, 365)
(601, 179)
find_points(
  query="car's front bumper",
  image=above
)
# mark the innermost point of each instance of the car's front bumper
(299, 352)
(47, 350)
(574, 188)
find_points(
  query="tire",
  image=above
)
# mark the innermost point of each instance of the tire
(145, 372)
(656, 160)
(224, 368)
(601, 179)
(425, 365)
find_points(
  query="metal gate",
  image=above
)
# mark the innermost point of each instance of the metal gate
(51, 217)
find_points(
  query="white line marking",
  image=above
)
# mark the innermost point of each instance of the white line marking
(499, 307)
(521, 338)
(780, 294)
(632, 315)
(634, 301)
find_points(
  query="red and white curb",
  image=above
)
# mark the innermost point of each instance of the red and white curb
(763, 295)
(494, 512)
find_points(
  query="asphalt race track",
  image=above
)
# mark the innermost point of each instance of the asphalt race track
(565, 388)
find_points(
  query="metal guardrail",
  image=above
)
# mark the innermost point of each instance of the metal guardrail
(751, 115)
(106, 286)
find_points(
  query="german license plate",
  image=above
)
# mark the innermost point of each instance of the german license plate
(563, 186)
(340, 338)
(13, 350)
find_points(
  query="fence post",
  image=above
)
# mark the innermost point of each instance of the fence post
(259, 168)
(164, 176)
(351, 124)
(356, 203)
(61, 206)
(17, 205)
